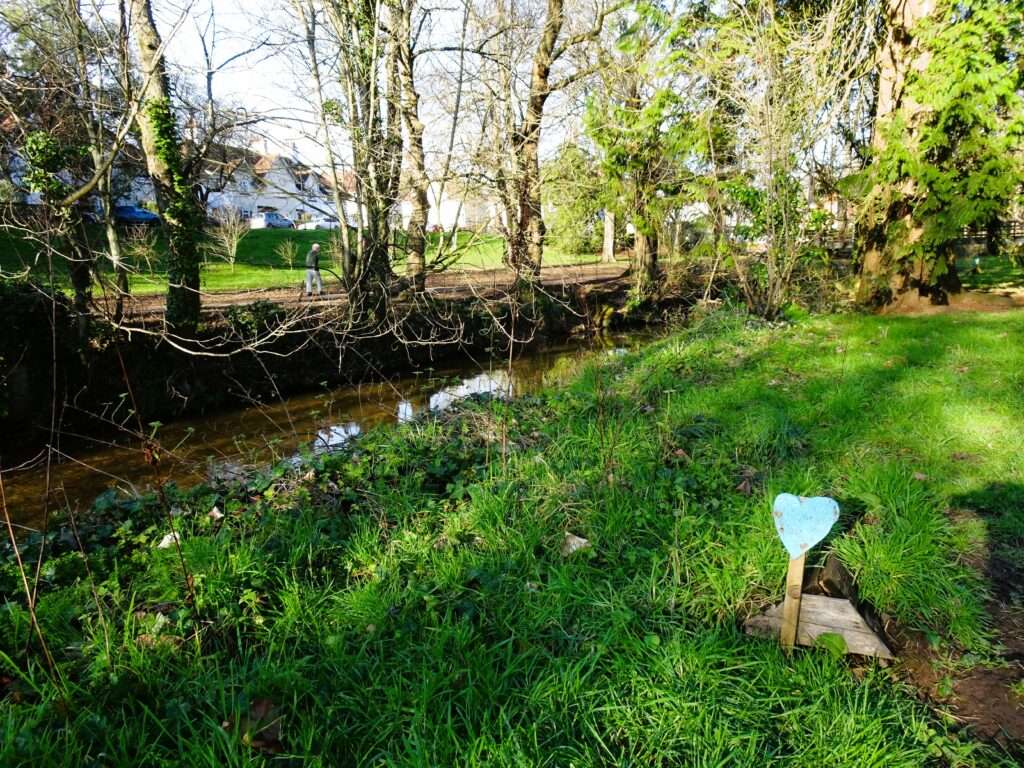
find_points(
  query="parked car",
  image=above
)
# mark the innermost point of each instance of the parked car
(132, 214)
(270, 220)
(320, 222)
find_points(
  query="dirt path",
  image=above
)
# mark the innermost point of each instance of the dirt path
(451, 284)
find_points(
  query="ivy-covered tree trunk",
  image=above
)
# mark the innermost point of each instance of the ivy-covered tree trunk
(369, 75)
(886, 220)
(645, 262)
(182, 215)
(946, 152)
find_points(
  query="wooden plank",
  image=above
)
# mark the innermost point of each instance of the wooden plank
(791, 605)
(832, 611)
(819, 615)
(861, 643)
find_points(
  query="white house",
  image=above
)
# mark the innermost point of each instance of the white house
(256, 182)
(232, 177)
(456, 206)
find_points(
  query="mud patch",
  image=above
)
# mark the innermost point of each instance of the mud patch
(987, 702)
(984, 698)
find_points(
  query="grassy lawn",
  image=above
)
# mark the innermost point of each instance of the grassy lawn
(406, 602)
(992, 274)
(260, 262)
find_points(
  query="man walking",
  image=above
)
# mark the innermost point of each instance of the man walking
(313, 271)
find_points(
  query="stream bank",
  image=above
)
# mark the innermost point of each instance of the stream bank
(231, 443)
(117, 379)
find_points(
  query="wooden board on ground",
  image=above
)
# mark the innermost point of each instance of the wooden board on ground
(820, 615)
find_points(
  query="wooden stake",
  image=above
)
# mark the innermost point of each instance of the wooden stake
(791, 605)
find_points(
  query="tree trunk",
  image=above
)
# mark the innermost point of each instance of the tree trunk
(887, 223)
(369, 74)
(114, 248)
(645, 261)
(80, 268)
(416, 234)
(608, 246)
(180, 210)
(525, 246)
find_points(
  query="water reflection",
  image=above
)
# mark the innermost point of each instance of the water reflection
(230, 444)
(335, 436)
(405, 412)
(497, 383)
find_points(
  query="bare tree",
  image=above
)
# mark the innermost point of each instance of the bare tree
(226, 233)
(71, 107)
(212, 124)
(309, 16)
(368, 72)
(515, 112)
(416, 173)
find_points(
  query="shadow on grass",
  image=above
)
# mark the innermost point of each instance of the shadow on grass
(1001, 507)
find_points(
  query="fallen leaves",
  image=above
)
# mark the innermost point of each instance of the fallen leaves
(169, 540)
(260, 728)
(573, 543)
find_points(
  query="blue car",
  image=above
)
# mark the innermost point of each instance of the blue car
(132, 214)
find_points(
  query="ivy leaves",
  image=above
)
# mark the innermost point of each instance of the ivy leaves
(950, 158)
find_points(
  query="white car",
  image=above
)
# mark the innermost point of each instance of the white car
(320, 222)
(270, 220)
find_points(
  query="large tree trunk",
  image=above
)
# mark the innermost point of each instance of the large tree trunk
(887, 225)
(525, 246)
(182, 215)
(416, 233)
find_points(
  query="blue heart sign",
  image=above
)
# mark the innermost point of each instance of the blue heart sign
(803, 521)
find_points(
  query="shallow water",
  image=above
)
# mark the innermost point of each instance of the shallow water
(193, 450)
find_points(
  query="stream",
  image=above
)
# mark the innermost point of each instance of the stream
(230, 443)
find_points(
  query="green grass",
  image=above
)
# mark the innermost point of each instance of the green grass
(406, 603)
(993, 273)
(259, 263)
